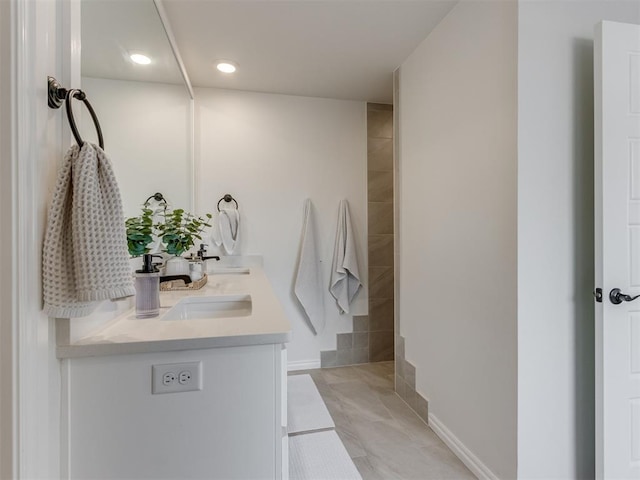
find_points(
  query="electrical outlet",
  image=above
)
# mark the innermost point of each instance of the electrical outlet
(168, 378)
(184, 377)
(176, 377)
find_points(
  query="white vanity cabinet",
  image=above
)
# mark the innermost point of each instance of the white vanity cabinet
(234, 428)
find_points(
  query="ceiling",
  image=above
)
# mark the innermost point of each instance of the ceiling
(343, 49)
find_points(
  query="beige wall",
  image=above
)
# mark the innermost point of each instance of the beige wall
(457, 141)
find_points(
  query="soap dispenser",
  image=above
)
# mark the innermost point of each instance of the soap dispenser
(147, 288)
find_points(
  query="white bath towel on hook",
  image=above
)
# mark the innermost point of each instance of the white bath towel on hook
(216, 239)
(229, 228)
(308, 285)
(345, 275)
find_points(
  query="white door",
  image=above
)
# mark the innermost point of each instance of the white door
(617, 203)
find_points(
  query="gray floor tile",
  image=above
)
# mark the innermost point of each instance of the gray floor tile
(360, 402)
(375, 436)
(404, 462)
(447, 464)
(375, 379)
(378, 368)
(409, 422)
(366, 469)
(340, 375)
(384, 437)
(351, 442)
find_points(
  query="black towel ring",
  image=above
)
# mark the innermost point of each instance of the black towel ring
(57, 93)
(158, 197)
(80, 95)
(227, 198)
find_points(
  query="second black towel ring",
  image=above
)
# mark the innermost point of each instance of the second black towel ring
(80, 95)
(227, 198)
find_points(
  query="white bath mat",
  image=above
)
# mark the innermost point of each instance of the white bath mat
(320, 456)
(306, 410)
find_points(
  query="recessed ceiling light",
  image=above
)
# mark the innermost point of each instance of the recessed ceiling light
(226, 66)
(140, 59)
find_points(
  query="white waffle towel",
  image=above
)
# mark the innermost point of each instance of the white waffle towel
(308, 286)
(85, 257)
(345, 277)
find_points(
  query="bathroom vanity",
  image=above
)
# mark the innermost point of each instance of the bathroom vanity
(199, 392)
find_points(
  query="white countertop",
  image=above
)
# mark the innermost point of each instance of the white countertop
(266, 324)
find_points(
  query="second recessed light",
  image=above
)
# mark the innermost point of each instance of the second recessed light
(140, 59)
(225, 66)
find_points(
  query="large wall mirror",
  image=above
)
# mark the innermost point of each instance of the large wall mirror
(145, 110)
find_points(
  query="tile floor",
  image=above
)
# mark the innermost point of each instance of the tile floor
(385, 439)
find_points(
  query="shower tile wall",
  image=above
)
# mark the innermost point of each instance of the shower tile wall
(380, 223)
(372, 339)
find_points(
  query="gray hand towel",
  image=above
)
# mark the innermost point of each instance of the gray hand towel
(85, 257)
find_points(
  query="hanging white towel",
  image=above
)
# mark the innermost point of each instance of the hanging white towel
(85, 256)
(345, 277)
(158, 216)
(308, 285)
(216, 239)
(229, 228)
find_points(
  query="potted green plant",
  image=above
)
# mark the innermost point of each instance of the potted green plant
(178, 232)
(140, 232)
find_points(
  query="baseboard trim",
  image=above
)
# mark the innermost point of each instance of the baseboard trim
(467, 457)
(303, 365)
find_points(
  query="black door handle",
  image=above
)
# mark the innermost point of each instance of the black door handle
(617, 297)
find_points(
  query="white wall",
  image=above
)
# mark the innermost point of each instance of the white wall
(271, 152)
(146, 128)
(35, 135)
(457, 137)
(6, 330)
(555, 234)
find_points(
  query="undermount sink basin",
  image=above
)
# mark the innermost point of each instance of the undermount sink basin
(228, 271)
(200, 308)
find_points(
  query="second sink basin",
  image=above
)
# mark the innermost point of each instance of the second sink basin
(200, 308)
(228, 271)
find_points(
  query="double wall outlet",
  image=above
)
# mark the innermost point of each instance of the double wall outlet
(176, 377)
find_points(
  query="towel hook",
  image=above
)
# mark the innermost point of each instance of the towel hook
(58, 94)
(227, 198)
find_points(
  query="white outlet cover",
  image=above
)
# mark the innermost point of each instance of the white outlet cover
(158, 373)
